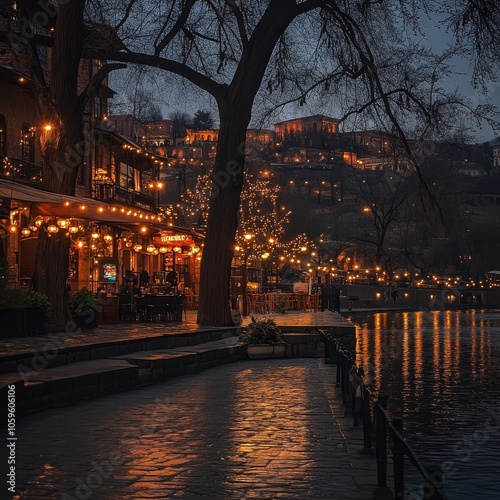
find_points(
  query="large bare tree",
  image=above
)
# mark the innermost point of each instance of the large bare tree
(356, 52)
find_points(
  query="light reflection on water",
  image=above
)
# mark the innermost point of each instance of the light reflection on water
(440, 370)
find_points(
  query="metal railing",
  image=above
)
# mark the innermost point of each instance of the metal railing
(14, 168)
(378, 424)
(109, 192)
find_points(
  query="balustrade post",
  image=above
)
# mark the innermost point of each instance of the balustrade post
(433, 484)
(367, 418)
(398, 460)
(381, 441)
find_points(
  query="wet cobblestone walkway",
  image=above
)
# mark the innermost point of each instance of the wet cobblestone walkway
(252, 429)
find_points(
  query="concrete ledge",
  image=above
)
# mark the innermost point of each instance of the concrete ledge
(304, 345)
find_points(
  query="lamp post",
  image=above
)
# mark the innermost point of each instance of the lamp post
(244, 277)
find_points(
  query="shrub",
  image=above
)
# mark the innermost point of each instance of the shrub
(15, 298)
(81, 301)
(262, 332)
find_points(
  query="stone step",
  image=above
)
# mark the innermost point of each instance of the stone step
(162, 364)
(68, 384)
(54, 387)
(56, 353)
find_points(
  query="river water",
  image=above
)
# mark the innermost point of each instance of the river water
(440, 370)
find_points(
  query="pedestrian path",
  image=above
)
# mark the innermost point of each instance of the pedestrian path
(269, 429)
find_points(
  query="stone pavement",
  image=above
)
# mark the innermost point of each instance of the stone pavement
(269, 429)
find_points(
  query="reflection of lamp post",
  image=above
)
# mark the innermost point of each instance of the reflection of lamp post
(244, 278)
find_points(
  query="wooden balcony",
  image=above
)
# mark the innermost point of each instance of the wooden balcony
(111, 192)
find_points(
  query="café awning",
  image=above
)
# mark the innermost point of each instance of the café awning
(50, 204)
(61, 205)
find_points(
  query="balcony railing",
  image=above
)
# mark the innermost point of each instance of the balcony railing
(14, 168)
(110, 192)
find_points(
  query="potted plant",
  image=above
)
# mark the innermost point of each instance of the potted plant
(83, 308)
(23, 311)
(264, 339)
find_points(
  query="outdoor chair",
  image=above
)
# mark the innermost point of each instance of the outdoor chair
(174, 308)
(126, 307)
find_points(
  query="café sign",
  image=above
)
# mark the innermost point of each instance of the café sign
(175, 239)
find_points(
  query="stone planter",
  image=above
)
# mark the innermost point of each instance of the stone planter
(260, 351)
(21, 321)
(279, 350)
(86, 319)
(34, 321)
(12, 321)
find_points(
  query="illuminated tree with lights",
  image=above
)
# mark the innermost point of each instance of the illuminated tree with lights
(261, 216)
(195, 203)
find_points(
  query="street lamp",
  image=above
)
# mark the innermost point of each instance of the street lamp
(248, 238)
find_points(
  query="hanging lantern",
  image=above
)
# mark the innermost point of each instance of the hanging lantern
(25, 231)
(150, 248)
(108, 238)
(155, 251)
(63, 223)
(163, 249)
(95, 235)
(177, 249)
(195, 249)
(128, 244)
(138, 248)
(52, 228)
(80, 243)
(73, 229)
(33, 229)
(38, 221)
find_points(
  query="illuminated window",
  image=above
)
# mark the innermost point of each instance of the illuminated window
(27, 143)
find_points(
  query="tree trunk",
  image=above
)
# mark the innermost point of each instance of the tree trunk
(52, 251)
(51, 273)
(62, 151)
(214, 305)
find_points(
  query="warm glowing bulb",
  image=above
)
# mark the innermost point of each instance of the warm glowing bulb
(63, 223)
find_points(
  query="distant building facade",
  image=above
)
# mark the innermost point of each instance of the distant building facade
(309, 132)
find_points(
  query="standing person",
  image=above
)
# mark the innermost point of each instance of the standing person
(144, 278)
(172, 278)
(130, 276)
(395, 295)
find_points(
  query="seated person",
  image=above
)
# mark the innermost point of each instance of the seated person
(130, 276)
(129, 287)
